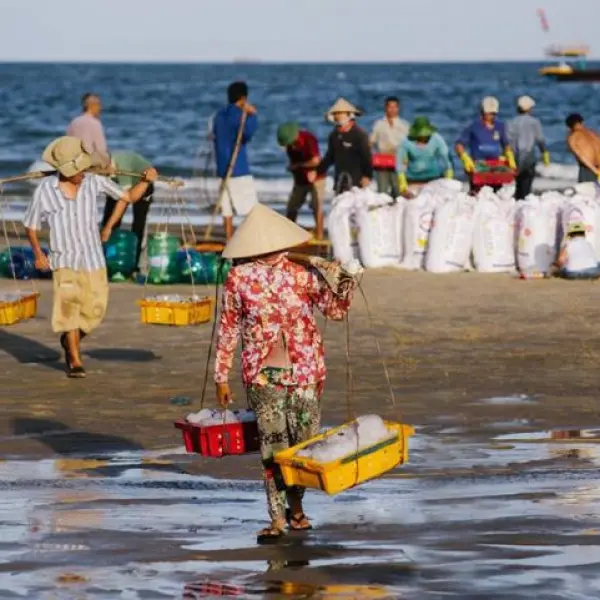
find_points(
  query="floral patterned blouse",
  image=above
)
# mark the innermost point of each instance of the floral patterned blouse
(265, 301)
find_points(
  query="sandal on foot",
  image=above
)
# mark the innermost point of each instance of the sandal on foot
(76, 372)
(295, 521)
(269, 535)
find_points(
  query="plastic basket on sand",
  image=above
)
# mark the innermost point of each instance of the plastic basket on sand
(17, 306)
(176, 310)
(346, 456)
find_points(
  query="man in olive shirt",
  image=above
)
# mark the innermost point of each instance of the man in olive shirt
(131, 162)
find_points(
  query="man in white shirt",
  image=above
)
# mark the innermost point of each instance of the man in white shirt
(388, 134)
(88, 128)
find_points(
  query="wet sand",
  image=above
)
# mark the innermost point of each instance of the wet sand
(486, 368)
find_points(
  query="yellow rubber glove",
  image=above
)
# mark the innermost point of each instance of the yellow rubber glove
(546, 158)
(467, 162)
(402, 183)
(449, 173)
(510, 159)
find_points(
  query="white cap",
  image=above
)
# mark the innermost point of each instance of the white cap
(490, 105)
(525, 103)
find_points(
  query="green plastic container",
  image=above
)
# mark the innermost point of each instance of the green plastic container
(203, 267)
(162, 258)
(120, 253)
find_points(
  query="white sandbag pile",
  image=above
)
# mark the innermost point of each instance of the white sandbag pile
(366, 431)
(451, 238)
(494, 237)
(208, 417)
(537, 232)
(378, 219)
(380, 222)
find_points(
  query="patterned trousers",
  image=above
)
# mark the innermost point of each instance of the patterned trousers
(286, 416)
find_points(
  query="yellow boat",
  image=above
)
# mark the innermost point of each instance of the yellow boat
(574, 71)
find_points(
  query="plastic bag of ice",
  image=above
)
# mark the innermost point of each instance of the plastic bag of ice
(371, 430)
(246, 416)
(203, 415)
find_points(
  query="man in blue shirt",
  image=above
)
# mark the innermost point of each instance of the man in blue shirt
(240, 193)
(485, 139)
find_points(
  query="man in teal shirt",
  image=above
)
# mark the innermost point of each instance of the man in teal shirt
(131, 162)
(423, 156)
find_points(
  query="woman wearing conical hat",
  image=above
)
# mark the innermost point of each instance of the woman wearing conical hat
(269, 302)
(348, 151)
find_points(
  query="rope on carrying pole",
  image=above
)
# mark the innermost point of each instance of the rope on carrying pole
(224, 187)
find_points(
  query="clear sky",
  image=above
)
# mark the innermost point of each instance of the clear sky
(290, 30)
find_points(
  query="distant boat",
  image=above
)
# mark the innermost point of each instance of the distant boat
(572, 67)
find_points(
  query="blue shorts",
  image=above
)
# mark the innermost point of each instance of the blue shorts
(592, 273)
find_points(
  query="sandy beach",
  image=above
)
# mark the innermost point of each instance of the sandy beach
(483, 366)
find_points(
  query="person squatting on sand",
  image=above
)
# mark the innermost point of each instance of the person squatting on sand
(67, 202)
(269, 302)
(577, 257)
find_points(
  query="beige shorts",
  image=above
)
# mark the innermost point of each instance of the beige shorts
(300, 192)
(80, 299)
(239, 197)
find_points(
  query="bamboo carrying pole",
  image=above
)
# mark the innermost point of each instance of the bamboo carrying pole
(105, 172)
(225, 183)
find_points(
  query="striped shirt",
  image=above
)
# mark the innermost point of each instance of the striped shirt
(74, 234)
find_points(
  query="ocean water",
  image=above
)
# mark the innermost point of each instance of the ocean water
(162, 111)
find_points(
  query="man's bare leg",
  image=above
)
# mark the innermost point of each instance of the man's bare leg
(73, 339)
(228, 223)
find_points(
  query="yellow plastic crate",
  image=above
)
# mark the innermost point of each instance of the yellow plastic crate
(18, 310)
(342, 474)
(176, 313)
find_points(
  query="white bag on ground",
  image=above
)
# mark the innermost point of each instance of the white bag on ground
(493, 239)
(418, 220)
(339, 226)
(536, 226)
(451, 237)
(380, 231)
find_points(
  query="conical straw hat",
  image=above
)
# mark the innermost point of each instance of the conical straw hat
(342, 105)
(264, 231)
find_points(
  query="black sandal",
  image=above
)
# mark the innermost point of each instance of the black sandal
(291, 519)
(269, 535)
(76, 373)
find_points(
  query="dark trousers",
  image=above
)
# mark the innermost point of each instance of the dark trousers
(140, 215)
(524, 183)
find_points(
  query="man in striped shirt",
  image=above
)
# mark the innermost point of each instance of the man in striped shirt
(67, 202)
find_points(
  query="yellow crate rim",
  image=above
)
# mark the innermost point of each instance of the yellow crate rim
(159, 304)
(19, 301)
(288, 456)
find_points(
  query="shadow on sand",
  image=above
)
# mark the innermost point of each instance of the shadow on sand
(28, 351)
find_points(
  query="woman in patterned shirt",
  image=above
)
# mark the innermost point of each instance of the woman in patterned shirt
(269, 302)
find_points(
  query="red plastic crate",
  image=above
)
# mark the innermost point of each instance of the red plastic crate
(219, 440)
(493, 178)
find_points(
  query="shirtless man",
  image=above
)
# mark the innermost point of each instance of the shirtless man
(585, 146)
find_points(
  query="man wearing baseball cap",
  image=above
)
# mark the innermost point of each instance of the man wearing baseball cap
(485, 139)
(525, 134)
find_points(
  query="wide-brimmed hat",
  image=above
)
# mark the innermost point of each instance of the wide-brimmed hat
(68, 156)
(287, 133)
(264, 231)
(490, 104)
(525, 103)
(421, 128)
(575, 228)
(341, 105)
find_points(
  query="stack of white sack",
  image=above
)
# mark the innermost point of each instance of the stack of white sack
(494, 236)
(340, 222)
(451, 237)
(366, 431)
(379, 219)
(208, 417)
(418, 220)
(537, 231)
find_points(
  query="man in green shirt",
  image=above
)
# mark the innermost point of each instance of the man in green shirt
(127, 161)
